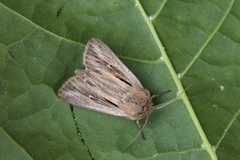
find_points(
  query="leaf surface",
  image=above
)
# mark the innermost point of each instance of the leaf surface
(166, 44)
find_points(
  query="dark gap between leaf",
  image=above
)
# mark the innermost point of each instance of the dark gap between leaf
(79, 133)
(11, 55)
(59, 11)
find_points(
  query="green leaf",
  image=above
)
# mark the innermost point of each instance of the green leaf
(166, 44)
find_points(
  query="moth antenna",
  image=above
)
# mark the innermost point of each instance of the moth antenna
(173, 99)
(159, 94)
(136, 135)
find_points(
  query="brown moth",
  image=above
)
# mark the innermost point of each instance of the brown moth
(107, 85)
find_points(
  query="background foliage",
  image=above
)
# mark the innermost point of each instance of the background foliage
(166, 44)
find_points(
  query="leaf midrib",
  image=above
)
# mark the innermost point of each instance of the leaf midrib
(178, 82)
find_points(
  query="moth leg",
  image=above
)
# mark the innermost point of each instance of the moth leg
(138, 123)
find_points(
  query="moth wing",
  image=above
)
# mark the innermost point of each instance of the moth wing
(80, 91)
(106, 85)
(99, 57)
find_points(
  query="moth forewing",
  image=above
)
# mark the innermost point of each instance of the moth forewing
(98, 56)
(79, 92)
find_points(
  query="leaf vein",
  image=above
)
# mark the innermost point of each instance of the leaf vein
(207, 41)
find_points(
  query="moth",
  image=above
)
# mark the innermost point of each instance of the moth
(107, 85)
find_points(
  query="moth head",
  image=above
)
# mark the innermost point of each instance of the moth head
(146, 109)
